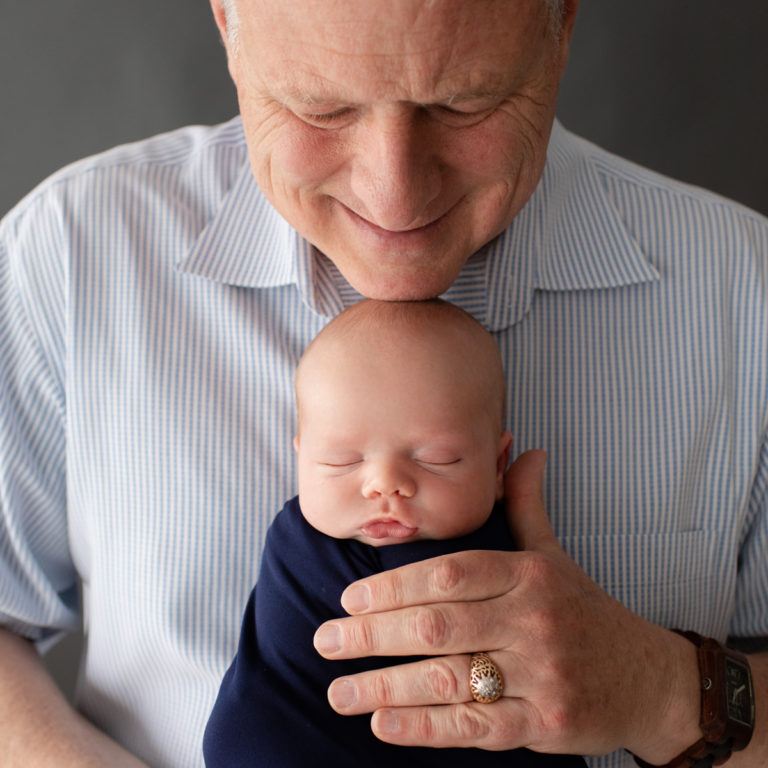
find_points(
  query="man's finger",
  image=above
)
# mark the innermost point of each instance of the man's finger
(526, 513)
(497, 726)
(438, 628)
(464, 576)
(439, 680)
(433, 681)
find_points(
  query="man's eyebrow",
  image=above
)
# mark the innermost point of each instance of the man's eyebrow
(305, 97)
(309, 98)
(475, 94)
(310, 89)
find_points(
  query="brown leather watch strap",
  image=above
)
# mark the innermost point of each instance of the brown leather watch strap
(701, 755)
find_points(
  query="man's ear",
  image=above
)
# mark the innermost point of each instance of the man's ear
(566, 30)
(570, 7)
(502, 459)
(220, 17)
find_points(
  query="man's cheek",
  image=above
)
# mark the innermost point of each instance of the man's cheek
(307, 157)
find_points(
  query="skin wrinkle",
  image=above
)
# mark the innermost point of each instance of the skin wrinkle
(477, 70)
(554, 9)
(383, 688)
(447, 576)
(432, 628)
(471, 91)
(442, 683)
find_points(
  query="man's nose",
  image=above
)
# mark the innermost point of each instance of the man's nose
(388, 478)
(396, 173)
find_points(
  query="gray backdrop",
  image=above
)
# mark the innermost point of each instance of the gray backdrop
(677, 85)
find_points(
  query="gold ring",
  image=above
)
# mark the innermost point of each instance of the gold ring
(485, 680)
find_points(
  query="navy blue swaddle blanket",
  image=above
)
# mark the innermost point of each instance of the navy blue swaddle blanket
(272, 709)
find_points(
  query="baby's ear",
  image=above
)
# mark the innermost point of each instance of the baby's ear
(502, 459)
(296, 443)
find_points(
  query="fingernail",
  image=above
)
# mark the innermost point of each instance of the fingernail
(343, 694)
(387, 722)
(328, 639)
(356, 598)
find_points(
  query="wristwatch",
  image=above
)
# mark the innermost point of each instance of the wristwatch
(727, 706)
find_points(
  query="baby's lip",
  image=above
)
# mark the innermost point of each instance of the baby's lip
(387, 528)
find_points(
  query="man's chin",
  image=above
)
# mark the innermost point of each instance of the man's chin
(385, 288)
(407, 281)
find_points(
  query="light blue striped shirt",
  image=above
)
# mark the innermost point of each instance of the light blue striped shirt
(153, 307)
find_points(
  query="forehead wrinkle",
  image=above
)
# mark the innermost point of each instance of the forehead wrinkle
(310, 88)
(349, 58)
(355, 63)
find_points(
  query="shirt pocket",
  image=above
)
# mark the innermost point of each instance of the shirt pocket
(683, 580)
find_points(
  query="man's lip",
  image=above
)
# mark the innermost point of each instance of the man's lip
(387, 528)
(396, 234)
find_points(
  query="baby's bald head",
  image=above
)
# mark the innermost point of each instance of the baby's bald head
(433, 336)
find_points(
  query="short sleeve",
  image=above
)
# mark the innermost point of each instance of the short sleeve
(40, 587)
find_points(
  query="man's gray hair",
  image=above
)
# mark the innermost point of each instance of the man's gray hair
(233, 22)
(555, 16)
(230, 11)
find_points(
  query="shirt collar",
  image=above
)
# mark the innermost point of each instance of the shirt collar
(248, 244)
(569, 236)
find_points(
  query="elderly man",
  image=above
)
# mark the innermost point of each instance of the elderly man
(154, 302)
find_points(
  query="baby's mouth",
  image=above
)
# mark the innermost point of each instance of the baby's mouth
(384, 528)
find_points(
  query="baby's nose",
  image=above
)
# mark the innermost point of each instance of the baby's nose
(389, 478)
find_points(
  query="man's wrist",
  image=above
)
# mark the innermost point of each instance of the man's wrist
(672, 721)
(727, 710)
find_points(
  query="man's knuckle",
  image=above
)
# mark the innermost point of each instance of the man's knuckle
(442, 683)
(382, 690)
(540, 567)
(505, 734)
(547, 630)
(389, 591)
(560, 722)
(363, 636)
(398, 589)
(447, 574)
(426, 729)
(471, 727)
(431, 627)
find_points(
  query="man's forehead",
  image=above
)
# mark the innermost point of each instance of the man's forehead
(427, 51)
(389, 26)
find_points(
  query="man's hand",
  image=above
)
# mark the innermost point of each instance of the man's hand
(583, 674)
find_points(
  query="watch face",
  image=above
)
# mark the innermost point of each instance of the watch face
(738, 686)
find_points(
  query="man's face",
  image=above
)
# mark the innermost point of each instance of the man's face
(398, 136)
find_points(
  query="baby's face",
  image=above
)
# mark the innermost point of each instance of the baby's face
(389, 453)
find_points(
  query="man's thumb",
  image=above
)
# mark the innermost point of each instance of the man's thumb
(526, 514)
